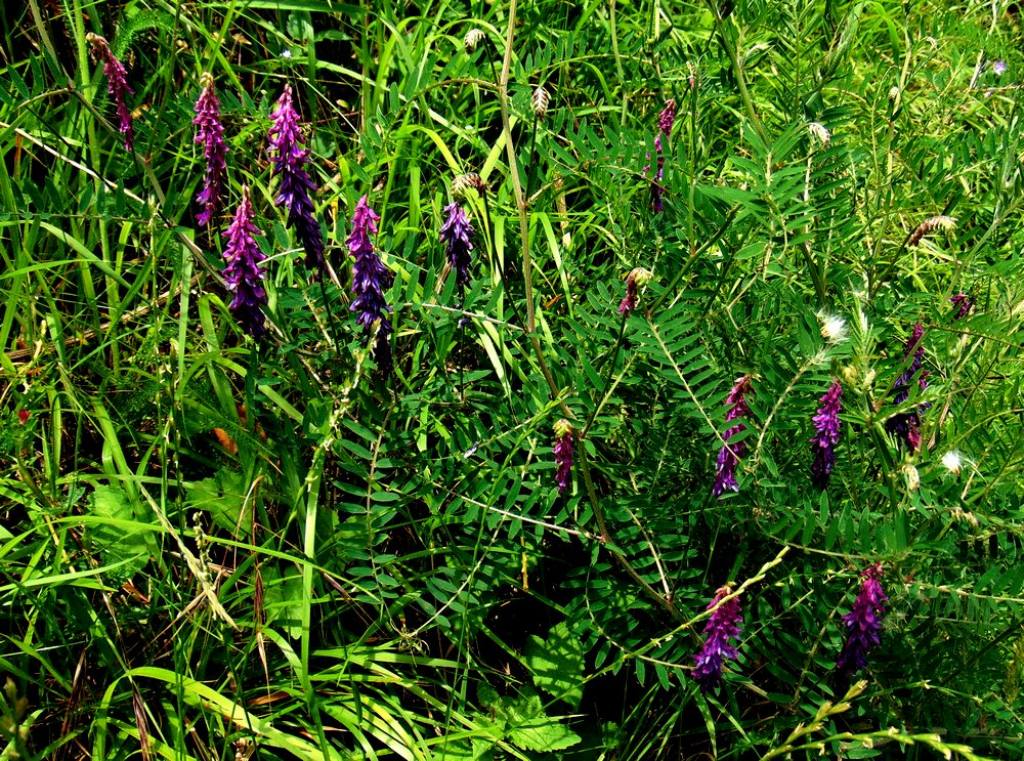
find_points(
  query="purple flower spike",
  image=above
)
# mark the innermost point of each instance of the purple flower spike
(210, 135)
(370, 278)
(906, 426)
(730, 455)
(667, 117)
(665, 120)
(999, 67)
(457, 236)
(290, 158)
(962, 303)
(863, 623)
(563, 454)
(242, 274)
(117, 86)
(723, 626)
(823, 443)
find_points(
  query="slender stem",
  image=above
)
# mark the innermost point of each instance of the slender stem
(531, 324)
(737, 68)
(330, 314)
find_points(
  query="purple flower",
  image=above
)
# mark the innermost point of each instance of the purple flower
(117, 85)
(863, 623)
(962, 303)
(370, 278)
(999, 67)
(665, 121)
(563, 454)
(823, 443)
(628, 303)
(906, 426)
(290, 157)
(210, 135)
(636, 278)
(242, 274)
(456, 234)
(730, 454)
(667, 117)
(723, 626)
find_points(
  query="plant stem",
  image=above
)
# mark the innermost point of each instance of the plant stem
(531, 324)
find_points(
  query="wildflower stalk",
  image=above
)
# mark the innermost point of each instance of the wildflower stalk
(531, 318)
(737, 68)
(825, 711)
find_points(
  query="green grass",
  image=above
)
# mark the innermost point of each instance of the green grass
(214, 549)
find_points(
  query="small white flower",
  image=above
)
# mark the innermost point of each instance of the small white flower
(820, 132)
(286, 53)
(951, 460)
(833, 327)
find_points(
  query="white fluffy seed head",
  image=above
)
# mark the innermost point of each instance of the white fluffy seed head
(952, 462)
(833, 327)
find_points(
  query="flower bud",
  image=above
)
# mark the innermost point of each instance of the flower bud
(472, 39)
(539, 101)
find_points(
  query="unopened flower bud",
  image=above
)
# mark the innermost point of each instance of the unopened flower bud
(473, 38)
(539, 101)
(464, 182)
(820, 133)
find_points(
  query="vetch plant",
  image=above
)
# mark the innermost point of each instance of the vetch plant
(637, 278)
(827, 428)
(296, 186)
(210, 135)
(457, 235)
(732, 452)
(906, 426)
(722, 627)
(117, 86)
(370, 278)
(864, 622)
(243, 274)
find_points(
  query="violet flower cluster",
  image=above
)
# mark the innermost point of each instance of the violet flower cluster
(242, 274)
(370, 278)
(636, 279)
(563, 451)
(117, 86)
(864, 622)
(665, 120)
(210, 135)
(290, 158)
(962, 303)
(722, 626)
(906, 426)
(730, 454)
(823, 443)
(457, 235)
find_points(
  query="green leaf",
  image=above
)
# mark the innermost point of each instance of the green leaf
(115, 537)
(557, 663)
(531, 729)
(224, 497)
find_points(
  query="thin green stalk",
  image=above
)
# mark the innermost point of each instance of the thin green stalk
(531, 327)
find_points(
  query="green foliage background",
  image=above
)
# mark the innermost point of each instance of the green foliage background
(211, 549)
